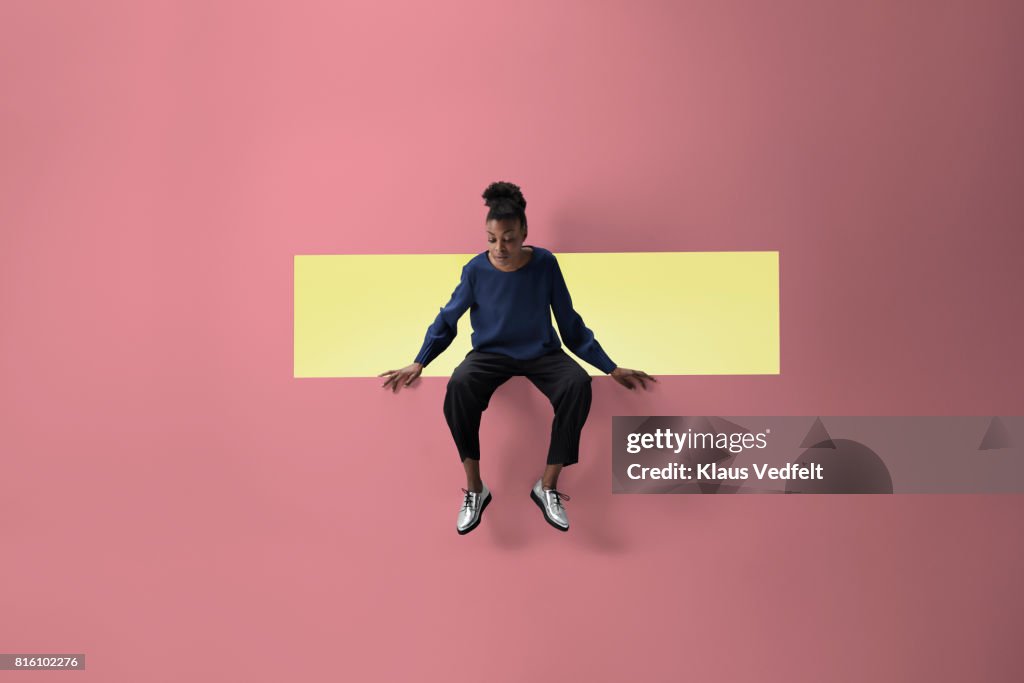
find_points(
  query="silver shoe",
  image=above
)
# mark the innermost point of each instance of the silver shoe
(550, 503)
(472, 510)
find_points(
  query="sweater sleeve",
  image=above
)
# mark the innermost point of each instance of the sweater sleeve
(444, 328)
(574, 333)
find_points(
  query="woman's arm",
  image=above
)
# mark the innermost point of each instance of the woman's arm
(446, 326)
(576, 335)
(580, 340)
(439, 336)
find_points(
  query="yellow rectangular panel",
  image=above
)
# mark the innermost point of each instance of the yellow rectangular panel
(667, 313)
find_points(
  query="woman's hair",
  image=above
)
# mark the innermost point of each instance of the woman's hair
(506, 201)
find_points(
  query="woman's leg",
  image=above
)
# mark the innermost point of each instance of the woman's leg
(567, 386)
(550, 478)
(469, 392)
(473, 481)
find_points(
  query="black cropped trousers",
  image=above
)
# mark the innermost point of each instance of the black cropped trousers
(559, 377)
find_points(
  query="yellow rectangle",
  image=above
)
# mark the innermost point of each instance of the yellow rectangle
(667, 313)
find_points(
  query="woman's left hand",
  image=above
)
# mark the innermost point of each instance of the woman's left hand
(627, 377)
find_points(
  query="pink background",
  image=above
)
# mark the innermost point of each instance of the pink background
(177, 506)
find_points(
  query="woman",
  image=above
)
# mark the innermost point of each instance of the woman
(510, 291)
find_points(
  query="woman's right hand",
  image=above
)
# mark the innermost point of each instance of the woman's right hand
(399, 378)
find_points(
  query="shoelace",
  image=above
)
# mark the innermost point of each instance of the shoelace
(558, 497)
(468, 502)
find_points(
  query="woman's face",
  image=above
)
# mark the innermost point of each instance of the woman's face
(505, 242)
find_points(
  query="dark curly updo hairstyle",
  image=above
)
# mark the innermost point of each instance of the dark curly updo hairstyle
(506, 201)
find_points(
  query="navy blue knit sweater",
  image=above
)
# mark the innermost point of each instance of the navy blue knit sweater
(511, 313)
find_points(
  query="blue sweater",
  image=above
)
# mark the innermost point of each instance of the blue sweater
(511, 313)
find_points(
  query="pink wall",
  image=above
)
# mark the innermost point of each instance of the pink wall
(177, 506)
